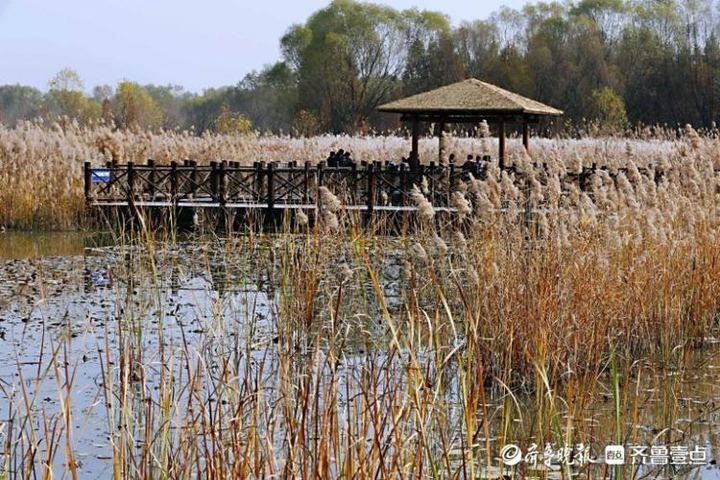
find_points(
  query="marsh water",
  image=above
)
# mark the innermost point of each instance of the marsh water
(62, 293)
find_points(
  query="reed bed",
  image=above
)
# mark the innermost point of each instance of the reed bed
(544, 315)
(364, 357)
(41, 165)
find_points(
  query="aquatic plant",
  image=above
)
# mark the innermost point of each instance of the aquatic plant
(550, 314)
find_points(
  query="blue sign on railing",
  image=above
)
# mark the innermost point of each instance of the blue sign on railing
(100, 175)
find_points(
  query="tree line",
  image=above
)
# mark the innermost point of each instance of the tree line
(608, 63)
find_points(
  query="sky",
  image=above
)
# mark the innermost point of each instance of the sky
(196, 44)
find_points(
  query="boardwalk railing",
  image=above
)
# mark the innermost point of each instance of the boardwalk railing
(365, 186)
(273, 187)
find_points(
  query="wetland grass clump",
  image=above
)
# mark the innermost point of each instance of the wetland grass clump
(499, 337)
(545, 315)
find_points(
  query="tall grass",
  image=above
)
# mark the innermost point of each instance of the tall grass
(41, 165)
(545, 315)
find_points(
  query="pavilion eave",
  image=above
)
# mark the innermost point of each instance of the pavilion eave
(470, 117)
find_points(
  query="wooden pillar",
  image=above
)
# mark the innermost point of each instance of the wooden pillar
(271, 187)
(306, 183)
(414, 154)
(258, 185)
(371, 186)
(441, 141)
(501, 141)
(214, 181)
(526, 135)
(221, 179)
(130, 194)
(319, 183)
(88, 180)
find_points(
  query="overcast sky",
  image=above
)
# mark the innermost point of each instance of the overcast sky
(196, 44)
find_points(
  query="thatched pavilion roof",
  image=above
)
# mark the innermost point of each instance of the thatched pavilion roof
(469, 101)
(470, 97)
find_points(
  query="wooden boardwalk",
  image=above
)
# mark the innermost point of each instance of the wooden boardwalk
(267, 186)
(271, 189)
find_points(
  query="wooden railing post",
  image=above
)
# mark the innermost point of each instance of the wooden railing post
(271, 186)
(306, 183)
(130, 184)
(88, 180)
(353, 183)
(214, 180)
(404, 180)
(321, 173)
(371, 185)
(260, 186)
(255, 185)
(319, 183)
(221, 178)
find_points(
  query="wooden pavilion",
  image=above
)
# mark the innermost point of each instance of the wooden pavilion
(469, 101)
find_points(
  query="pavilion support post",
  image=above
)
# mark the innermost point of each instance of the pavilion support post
(414, 154)
(501, 141)
(526, 135)
(441, 141)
